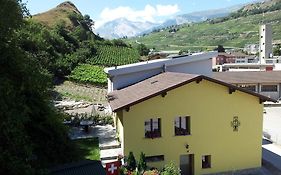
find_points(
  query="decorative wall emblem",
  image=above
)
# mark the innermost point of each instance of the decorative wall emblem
(187, 147)
(235, 123)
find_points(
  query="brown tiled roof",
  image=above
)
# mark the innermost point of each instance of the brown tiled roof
(238, 54)
(159, 85)
(249, 77)
(232, 54)
(225, 54)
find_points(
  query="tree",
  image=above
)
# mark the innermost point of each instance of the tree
(142, 163)
(87, 22)
(131, 162)
(182, 52)
(277, 51)
(119, 42)
(220, 48)
(142, 49)
(31, 131)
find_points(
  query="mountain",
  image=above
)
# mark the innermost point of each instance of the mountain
(263, 5)
(59, 14)
(122, 27)
(200, 16)
(227, 31)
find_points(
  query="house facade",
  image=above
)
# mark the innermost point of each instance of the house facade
(202, 124)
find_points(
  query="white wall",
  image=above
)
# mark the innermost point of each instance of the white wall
(126, 75)
(121, 81)
(203, 67)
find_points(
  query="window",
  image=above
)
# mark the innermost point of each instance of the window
(269, 88)
(153, 128)
(182, 126)
(261, 36)
(206, 161)
(154, 158)
(248, 87)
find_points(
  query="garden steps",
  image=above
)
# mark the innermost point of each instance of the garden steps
(110, 155)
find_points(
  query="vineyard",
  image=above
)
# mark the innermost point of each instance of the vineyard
(115, 56)
(90, 74)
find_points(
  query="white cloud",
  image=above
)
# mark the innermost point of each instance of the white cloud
(147, 14)
(165, 10)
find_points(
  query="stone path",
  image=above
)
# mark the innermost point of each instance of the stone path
(110, 148)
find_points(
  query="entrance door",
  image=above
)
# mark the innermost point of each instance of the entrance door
(187, 164)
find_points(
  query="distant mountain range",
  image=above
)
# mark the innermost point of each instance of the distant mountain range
(233, 31)
(122, 27)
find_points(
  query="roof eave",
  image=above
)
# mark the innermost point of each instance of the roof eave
(200, 77)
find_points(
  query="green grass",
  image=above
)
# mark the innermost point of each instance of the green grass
(205, 35)
(88, 148)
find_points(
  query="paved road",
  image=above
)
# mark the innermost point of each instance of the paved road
(272, 158)
(271, 153)
(272, 123)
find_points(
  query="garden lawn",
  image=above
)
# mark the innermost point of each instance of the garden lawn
(88, 148)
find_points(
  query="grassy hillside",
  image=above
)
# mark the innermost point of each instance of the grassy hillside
(58, 14)
(62, 42)
(207, 35)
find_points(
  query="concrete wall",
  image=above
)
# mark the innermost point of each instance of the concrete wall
(121, 81)
(202, 67)
(265, 42)
(211, 109)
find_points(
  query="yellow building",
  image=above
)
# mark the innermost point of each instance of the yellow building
(202, 124)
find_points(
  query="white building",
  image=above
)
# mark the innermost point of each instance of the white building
(122, 76)
(251, 48)
(267, 83)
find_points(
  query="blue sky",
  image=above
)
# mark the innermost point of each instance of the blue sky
(102, 11)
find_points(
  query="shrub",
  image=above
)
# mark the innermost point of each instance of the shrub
(151, 172)
(86, 73)
(131, 162)
(142, 163)
(142, 49)
(171, 169)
